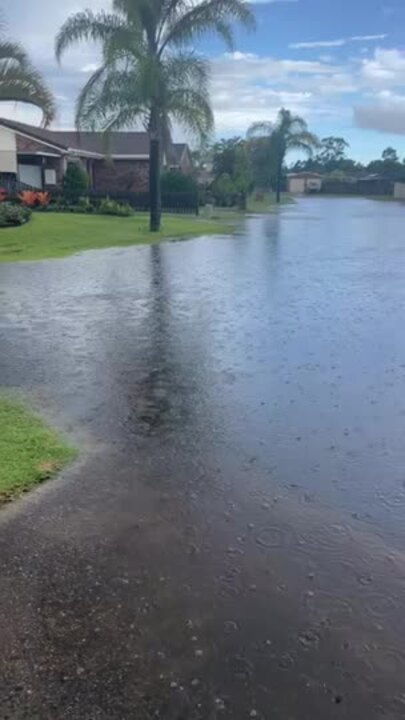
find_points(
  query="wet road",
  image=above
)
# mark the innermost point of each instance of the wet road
(231, 542)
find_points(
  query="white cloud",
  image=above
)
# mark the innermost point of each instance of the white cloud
(336, 43)
(90, 67)
(387, 67)
(386, 114)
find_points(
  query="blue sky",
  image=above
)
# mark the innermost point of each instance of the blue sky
(338, 63)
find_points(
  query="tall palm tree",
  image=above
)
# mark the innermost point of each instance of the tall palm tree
(289, 132)
(20, 82)
(148, 73)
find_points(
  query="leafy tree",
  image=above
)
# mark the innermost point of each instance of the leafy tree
(262, 162)
(175, 181)
(75, 182)
(148, 72)
(231, 170)
(333, 150)
(20, 82)
(289, 132)
(390, 155)
(390, 165)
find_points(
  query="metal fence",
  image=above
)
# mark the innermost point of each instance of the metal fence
(179, 202)
(377, 186)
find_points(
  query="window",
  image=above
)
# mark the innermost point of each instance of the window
(50, 176)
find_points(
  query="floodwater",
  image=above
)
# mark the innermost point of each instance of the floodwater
(231, 543)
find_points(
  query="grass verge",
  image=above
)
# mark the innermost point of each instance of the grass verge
(30, 452)
(267, 202)
(53, 235)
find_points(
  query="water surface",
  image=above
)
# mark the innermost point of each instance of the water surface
(233, 539)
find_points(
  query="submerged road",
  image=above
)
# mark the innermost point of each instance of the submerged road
(231, 542)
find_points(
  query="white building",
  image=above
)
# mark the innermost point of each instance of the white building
(304, 183)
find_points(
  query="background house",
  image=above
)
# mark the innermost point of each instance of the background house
(38, 158)
(304, 182)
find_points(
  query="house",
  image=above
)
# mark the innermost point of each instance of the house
(304, 182)
(38, 157)
(181, 158)
(399, 190)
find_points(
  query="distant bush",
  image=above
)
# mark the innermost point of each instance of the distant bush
(11, 214)
(113, 207)
(75, 182)
(174, 181)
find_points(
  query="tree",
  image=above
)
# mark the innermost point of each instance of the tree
(390, 165)
(75, 182)
(230, 166)
(289, 132)
(332, 152)
(390, 155)
(20, 82)
(148, 72)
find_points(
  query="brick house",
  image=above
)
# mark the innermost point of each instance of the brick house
(39, 157)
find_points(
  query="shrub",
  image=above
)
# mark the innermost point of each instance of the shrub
(113, 207)
(43, 199)
(34, 198)
(3, 194)
(28, 197)
(174, 181)
(11, 214)
(75, 182)
(84, 205)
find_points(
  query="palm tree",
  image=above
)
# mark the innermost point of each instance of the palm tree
(20, 82)
(289, 132)
(148, 73)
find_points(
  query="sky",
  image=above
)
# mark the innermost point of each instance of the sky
(340, 64)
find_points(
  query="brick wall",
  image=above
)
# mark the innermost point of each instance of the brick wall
(121, 176)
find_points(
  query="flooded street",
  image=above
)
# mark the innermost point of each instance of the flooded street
(231, 542)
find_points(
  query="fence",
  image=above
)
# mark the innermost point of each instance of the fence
(177, 202)
(180, 202)
(378, 186)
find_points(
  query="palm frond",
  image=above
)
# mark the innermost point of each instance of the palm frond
(209, 16)
(192, 110)
(260, 130)
(87, 26)
(186, 68)
(23, 84)
(13, 52)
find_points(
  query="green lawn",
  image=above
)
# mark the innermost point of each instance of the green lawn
(29, 451)
(52, 235)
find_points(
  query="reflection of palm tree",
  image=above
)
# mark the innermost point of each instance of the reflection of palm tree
(20, 82)
(289, 132)
(148, 73)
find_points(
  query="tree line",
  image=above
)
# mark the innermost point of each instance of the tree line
(260, 160)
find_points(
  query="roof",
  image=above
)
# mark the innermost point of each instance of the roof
(119, 143)
(305, 174)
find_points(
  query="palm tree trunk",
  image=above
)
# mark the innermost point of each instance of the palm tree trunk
(155, 198)
(278, 182)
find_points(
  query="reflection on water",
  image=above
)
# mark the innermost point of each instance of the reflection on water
(255, 386)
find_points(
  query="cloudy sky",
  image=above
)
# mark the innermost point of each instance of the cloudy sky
(338, 63)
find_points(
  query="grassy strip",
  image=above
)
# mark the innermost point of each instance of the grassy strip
(267, 202)
(53, 235)
(265, 205)
(30, 452)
